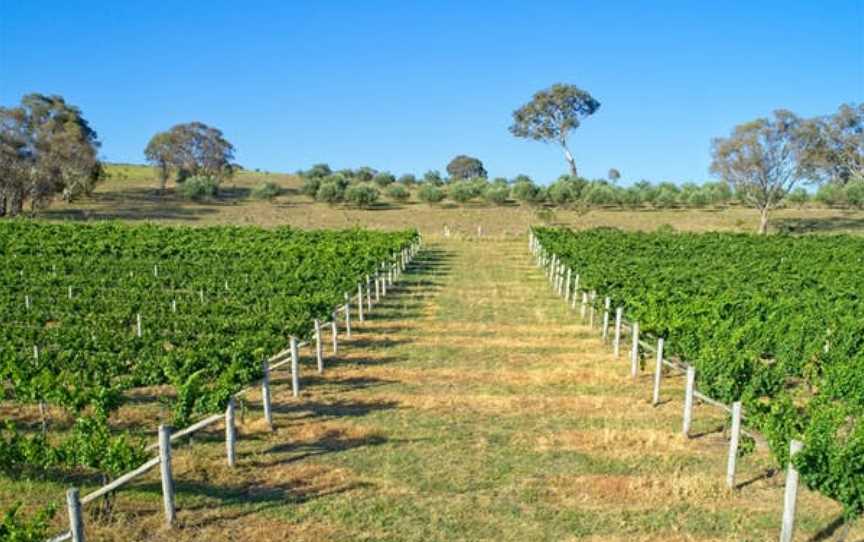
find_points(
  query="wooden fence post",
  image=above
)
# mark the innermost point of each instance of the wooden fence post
(658, 372)
(295, 368)
(688, 399)
(360, 302)
(790, 497)
(230, 434)
(607, 305)
(265, 395)
(165, 471)
(634, 352)
(76, 521)
(616, 343)
(734, 439)
(319, 347)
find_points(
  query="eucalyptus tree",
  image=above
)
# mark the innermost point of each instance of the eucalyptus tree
(190, 149)
(552, 114)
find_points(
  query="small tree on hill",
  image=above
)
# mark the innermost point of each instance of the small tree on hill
(465, 167)
(191, 149)
(552, 114)
(760, 160)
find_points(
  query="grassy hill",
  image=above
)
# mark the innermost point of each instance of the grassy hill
(130, 194)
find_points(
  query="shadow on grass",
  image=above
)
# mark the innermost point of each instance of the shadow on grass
(833, 224)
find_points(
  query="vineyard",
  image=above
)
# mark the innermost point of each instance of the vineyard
(772, 322)
(91, 313)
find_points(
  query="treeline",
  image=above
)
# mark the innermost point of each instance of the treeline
(365, 186)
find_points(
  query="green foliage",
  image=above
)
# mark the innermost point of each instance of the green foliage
(465, 167)
(831, 194)
(433, 177)
(384, 179)
(267, 190)
(408, 180)
(525, 191)
(310, 186)
(461, 191)
(199, 187)
(14, 528)
(772, 322)
(497, 194)
(799, 196)
(855, 193)
(239, 293)
(431, 193)
(362, 195)
(330, 192)
(398, 192)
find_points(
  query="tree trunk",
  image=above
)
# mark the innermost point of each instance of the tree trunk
(16, 202)
(2, 205)
(569, 158)
(763, 221)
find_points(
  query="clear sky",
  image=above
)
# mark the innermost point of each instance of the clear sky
(404, 86)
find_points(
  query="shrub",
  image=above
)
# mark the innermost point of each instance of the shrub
(408, 179)
(199, 187)
(317, 171)
(855, 193)
(433, 177)
(831, 194)
(496, 194)
(666, 198)
(561, 193)
(266, 191)
(398, 192)
(310, 186)
(798, 197)
(384, 179)
(630, 197)
(362, 195)
(330, 192)
(525, 190)
(461, 191)
(699, 198)
(365, 174)
(430, 193)
(600, 194)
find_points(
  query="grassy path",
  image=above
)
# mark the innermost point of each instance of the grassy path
(472, 406)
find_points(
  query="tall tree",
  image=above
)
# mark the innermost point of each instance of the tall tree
(833, 146)
(760, 159)
(613, 175)
(552, 114)
(465, 167)
(46, 148)
(190, 149)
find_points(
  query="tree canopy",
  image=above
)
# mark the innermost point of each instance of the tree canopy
(466, 167)
(832, 147)
(191, 149)
(552, 114)
(761, 160)
(47, 147)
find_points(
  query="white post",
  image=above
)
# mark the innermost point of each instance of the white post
(138, 325)
(319, 346)
(165, 471)
(230, 434)
(27, 302)
(334, 331)
(76, 521)
(295, 368)
(616, 343)
(70, 292)
(592, 308)
(567, 285)
(368, 295)
(688, 399)
(347, 317)
(155, 271)
(734, 438)
(575, 292)
(174, 305)
(584, 305)
(634, 352)
(265, 395)
(790, 497)
(658, 372)
(201, 295)
(377, 287)
(607, 304)
(360, 302)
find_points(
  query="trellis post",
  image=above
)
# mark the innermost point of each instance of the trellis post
(688, 399)
(734, 439)
(360, 302)
(616, 343)
(634, 352)
(658, 372)
(265, 394)
(165, 473)
(230, 434)
(319, 346)
(790, 496)
(295, 367)
(76, 520)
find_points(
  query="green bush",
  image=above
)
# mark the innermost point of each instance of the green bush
(666, 198)
(365, 174)
(855, 193)
(408, 180)
(362, 195)
(497, 194)
(433, 177)
(310, 186)
(384, 179)
(461, 191)
(330, 192)
(431, 193)
(266, 191)
(398, 192)
(600, 194)
(561, 193)
(798, 197)
(525, 191)
(199, 187)
(831, 194)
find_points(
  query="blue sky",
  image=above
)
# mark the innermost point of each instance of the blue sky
(405, 86)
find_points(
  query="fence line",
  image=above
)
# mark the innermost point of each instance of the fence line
(551, 263)
(392, 271)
